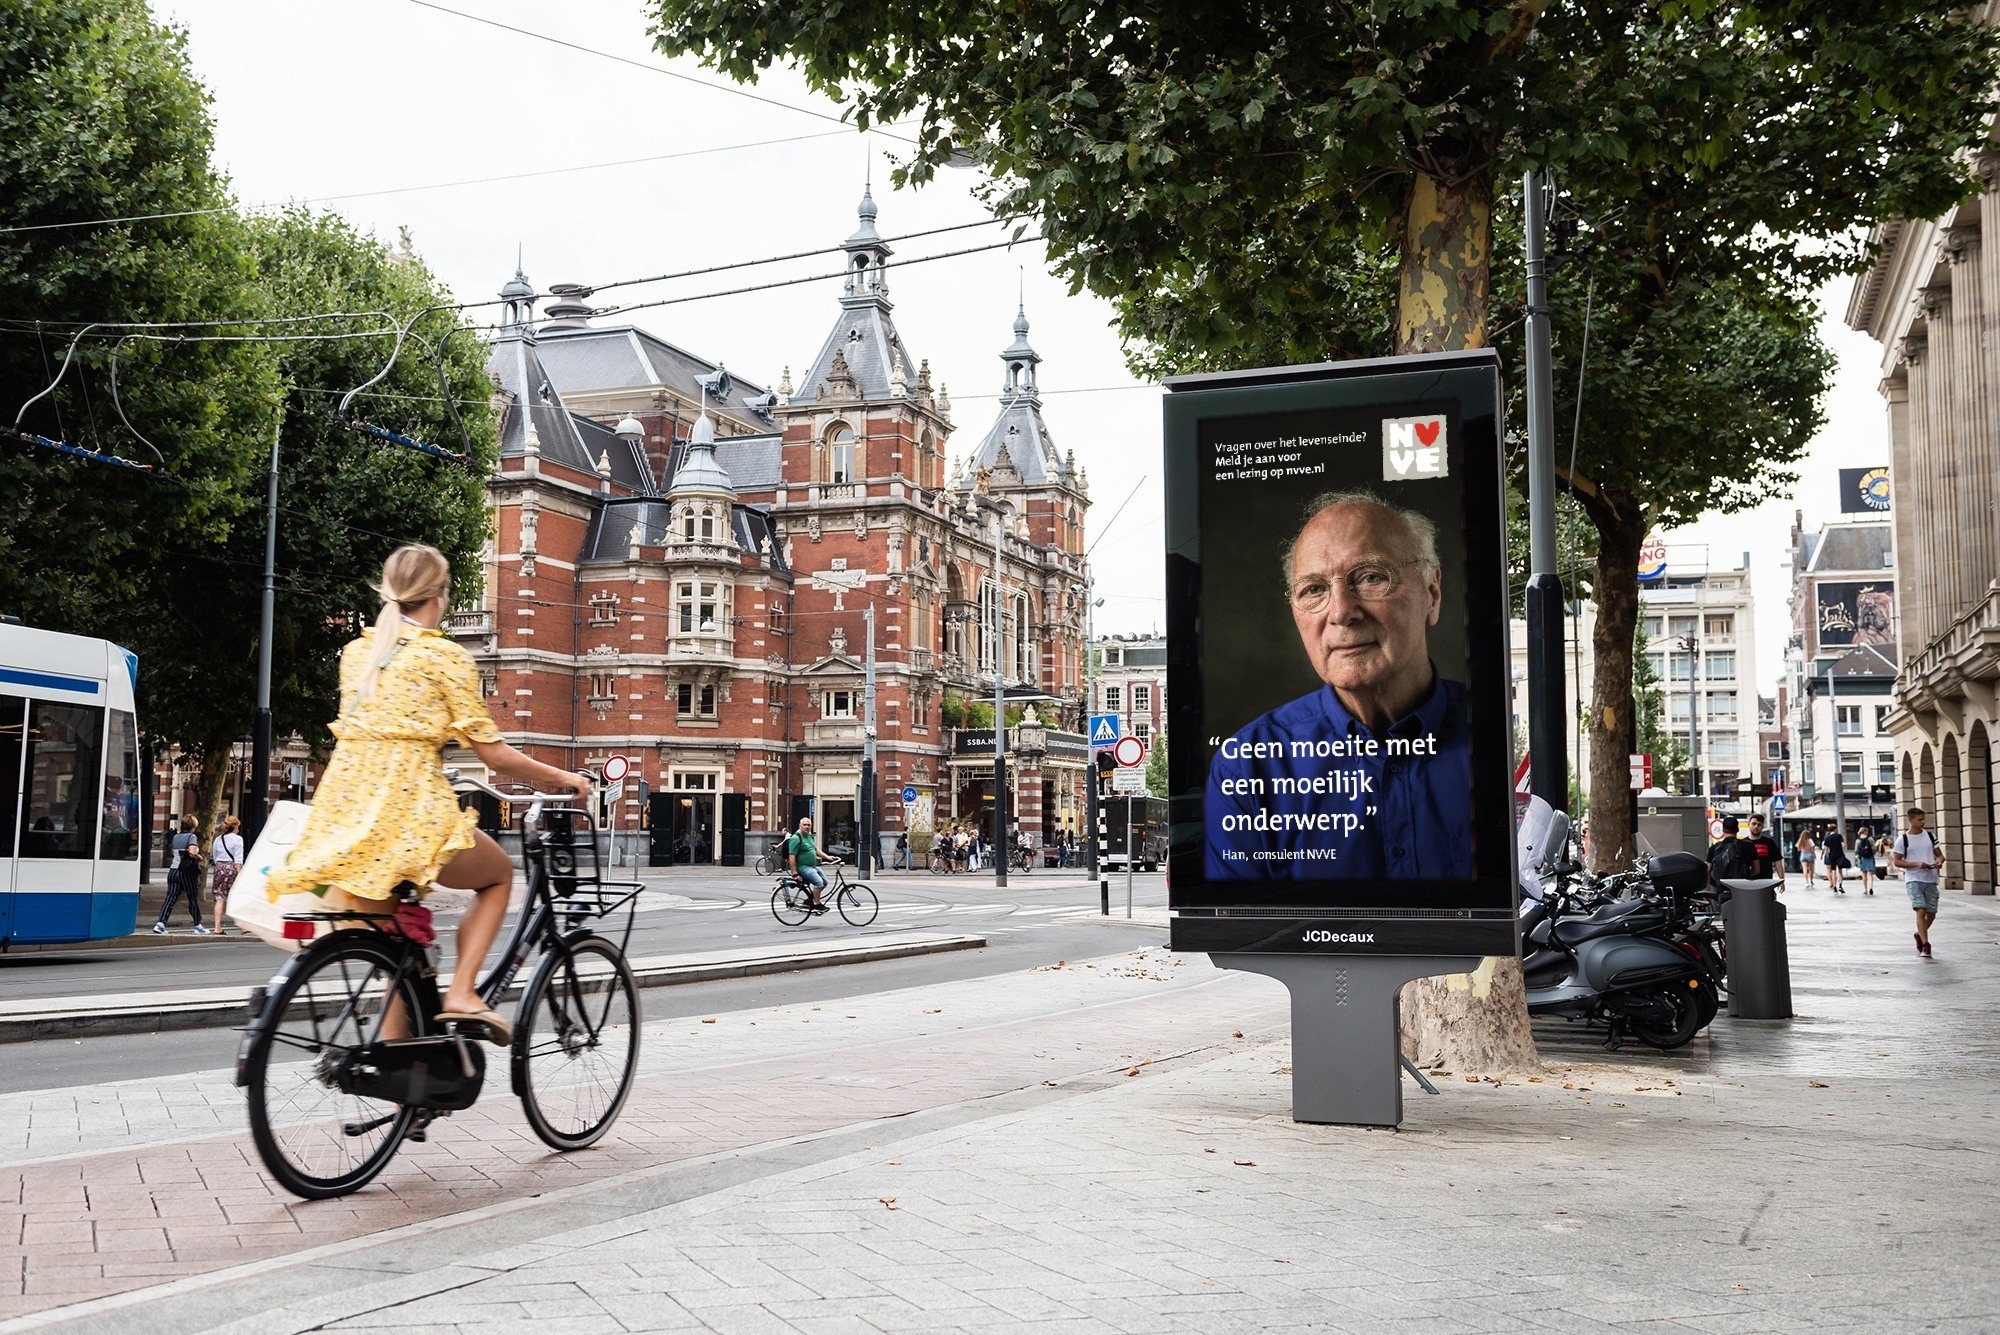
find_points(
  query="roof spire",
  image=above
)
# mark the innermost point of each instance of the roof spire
(517, 297)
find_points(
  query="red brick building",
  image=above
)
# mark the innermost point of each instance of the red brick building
(684, 563)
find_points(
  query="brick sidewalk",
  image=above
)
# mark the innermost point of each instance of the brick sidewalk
(1835, 1172)
(103, 1221)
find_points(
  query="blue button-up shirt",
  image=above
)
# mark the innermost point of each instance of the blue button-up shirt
(1308, 792)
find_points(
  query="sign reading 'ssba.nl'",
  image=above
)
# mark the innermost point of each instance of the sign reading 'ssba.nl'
(1412, 447)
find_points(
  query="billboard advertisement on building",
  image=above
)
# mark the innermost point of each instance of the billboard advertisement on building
(1864, 491)
(1337, 640)
(1850, 612)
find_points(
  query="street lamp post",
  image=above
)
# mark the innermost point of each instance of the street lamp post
(1000, 511)
(256, 800)
(1692, 645)
(1090, 605)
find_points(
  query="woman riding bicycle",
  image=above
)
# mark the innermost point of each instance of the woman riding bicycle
(385, 813)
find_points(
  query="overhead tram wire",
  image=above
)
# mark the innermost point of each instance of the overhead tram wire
(436, 185)
(712, 86)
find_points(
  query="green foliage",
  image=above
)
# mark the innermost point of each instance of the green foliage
(1156, 766)
(345, 501)
(1670, 755)
(101, 118)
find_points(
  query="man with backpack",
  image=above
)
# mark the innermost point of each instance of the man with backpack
(1920, 857)
(1729, 858)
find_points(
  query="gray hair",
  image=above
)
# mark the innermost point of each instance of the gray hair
(1423, 533)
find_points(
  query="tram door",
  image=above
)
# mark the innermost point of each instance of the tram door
(735, 822)
(13, 731)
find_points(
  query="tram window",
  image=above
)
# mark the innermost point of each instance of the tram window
(13, 720)
(59, 818)
(120, 840)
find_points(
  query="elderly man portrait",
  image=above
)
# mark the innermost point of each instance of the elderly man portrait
(1370, 775)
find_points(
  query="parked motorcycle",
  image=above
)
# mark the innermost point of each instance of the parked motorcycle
(1625, 952)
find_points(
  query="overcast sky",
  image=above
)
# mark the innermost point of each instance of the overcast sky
(370, 107)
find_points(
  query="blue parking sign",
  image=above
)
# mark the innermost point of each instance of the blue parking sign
(1104, 729)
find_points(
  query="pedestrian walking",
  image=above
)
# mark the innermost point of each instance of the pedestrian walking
(1729, 858)
(225, 859)
(1833, 857)
(1920, 857)
(1767, 855)
(183, 877)
(903, 852)
(1808, 850)
(1864, 859)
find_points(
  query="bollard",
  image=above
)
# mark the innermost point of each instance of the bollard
(1760, 976)
(1104, 896)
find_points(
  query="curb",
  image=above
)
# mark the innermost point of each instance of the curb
(211, 1008)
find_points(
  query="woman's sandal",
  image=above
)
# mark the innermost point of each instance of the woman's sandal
(495, 1029)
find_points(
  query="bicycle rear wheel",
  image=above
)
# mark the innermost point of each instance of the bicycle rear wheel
(858, 905)
(767, 865)
(576, 1042)
(315, 1139)
(790, 904)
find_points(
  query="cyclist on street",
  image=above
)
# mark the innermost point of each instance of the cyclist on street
(802, 856)
(385, 813)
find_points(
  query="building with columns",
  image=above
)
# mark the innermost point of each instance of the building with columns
(687, 569)
(1932, 299)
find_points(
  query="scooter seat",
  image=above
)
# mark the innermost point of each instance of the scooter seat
(1735, 884)
(1611, 920)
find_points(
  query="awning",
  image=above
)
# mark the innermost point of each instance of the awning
(1872, 812)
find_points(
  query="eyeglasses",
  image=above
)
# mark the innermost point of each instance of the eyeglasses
(1371, 582)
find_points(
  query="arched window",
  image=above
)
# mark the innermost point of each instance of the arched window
(840, 452)
(687, 524)
(707, 524)
(955, 626)
(1024, 666)
(926, 450)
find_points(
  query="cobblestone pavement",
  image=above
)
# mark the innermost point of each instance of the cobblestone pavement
(1837, 1171)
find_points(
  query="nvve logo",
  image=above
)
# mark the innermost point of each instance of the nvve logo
(1413, 447)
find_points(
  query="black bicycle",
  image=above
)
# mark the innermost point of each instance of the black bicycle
(792, 903)
(346, 1055)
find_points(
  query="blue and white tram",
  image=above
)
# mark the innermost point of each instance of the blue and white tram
(69, 788)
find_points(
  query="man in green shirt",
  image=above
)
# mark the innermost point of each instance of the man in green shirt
(802, 856)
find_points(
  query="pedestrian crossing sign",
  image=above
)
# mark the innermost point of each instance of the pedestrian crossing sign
(1104, 729)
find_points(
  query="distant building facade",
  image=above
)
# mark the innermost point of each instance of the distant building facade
(684, 562)
(1132, 683)
(1701, 633)
(1931, 299)
(1840, 668)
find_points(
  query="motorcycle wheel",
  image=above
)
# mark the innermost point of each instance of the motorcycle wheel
(1688, 1009)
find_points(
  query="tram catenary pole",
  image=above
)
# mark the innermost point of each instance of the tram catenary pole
(1548, 741)
(257, 794)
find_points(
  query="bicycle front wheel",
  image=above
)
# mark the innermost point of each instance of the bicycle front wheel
(317, 1140)
(858, 905)
(576, 1042)
(767, 865)
(790, 904)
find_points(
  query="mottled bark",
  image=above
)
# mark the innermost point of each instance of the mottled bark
(1444, 280)
(1621, 523)
(1472, 1023)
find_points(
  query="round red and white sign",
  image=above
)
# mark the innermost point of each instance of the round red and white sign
(616, 768)
(1129, 751)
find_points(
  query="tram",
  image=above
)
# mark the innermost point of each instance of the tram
(70, 826)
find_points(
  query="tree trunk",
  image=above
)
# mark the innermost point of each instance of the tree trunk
(208, 796)
(1444, 277)
(1621, 527)
(1476, 1023)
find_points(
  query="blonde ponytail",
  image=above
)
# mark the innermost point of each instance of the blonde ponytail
(411, 577)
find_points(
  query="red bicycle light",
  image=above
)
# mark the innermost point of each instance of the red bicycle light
(299, 931)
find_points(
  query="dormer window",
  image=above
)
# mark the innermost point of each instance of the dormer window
(604, 609)
(840, 453)
(687, 524)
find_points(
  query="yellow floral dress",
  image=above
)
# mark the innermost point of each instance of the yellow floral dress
(385, 813)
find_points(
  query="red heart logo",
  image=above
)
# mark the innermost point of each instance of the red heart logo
(1427, 432)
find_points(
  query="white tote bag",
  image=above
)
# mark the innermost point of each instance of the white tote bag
(247, 903)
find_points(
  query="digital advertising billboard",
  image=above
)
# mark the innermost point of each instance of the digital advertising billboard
(1337, 640)
(1850, 612)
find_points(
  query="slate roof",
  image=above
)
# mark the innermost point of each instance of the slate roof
(566, 438)
(1019, 430)
(608, 537)
(587, 358)
(864, 334)
(1861, 547)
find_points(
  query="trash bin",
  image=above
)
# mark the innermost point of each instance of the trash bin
(1760, 970)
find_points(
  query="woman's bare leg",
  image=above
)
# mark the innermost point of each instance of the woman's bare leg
(485, 869)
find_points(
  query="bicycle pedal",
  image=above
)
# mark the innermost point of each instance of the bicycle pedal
(417, 1135)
